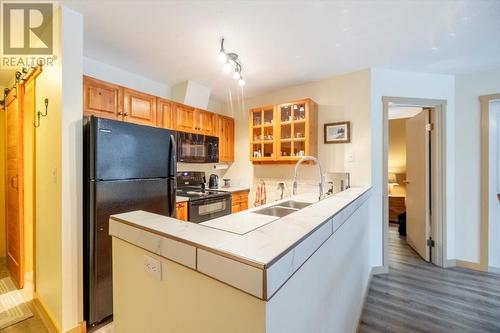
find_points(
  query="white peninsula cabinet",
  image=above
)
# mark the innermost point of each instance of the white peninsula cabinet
(246, 272)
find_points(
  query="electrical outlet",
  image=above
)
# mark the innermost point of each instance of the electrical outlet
(153, 267)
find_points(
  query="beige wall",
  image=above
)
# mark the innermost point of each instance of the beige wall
(387, 82)
(397, 146)
(183, 301)
(467, 150)
(344, 97)
(48, 186)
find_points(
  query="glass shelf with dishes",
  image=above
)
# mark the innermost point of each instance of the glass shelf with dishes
(262, 133)
(283, 133)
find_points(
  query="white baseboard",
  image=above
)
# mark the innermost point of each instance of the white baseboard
(464, 264)
(493, 269)
(450, 263)
(376, 270)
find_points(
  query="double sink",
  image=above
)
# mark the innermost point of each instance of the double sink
(283, 209)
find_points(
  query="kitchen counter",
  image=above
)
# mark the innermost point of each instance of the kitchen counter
(257, 246)
(179, 198)
(249, 273)
(233, 189)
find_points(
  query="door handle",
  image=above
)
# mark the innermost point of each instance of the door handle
(16, 177)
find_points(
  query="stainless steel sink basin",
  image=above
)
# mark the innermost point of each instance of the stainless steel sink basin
(283, 209)
(275, 211)
(294, 204)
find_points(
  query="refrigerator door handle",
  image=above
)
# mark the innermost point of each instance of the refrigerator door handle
(172, 158)
(171, 201)
(172, 166)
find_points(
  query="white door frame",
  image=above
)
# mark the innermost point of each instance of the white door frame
(485, 184)
(438, 195)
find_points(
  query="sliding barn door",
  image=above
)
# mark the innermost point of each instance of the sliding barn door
(417, 183)
(14, 223)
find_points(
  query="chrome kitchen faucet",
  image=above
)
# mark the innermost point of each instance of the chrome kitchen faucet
(321, 178)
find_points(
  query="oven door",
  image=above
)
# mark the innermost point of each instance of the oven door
(191, 148)
(208, 209)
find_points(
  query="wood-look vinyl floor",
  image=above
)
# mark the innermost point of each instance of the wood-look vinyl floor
(419, 297)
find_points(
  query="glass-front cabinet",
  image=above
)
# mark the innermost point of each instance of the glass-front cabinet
(262, 144)
(283, 133)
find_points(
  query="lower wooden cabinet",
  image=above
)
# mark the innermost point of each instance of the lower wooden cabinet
(181, 211)
(239, 201)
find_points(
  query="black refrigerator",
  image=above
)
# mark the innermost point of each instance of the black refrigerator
(127, 167)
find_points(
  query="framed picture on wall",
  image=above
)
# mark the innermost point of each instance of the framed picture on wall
(338, 132)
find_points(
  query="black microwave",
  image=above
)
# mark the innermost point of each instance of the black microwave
(197, 148)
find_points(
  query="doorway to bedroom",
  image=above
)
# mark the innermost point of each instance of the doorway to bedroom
(414, 173)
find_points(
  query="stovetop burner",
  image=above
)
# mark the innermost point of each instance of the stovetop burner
(195, 193)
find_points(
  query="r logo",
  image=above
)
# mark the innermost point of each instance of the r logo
(27, 28)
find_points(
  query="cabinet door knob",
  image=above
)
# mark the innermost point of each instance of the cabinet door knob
(125, 114)
(120, 113)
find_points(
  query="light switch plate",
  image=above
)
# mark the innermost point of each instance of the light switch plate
(350, 157)
(153, 267)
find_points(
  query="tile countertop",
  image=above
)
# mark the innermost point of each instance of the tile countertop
(233, 189)
(251, 252)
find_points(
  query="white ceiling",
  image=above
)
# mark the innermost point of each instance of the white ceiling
(284, 43)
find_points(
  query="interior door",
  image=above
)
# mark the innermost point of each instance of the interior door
(417, 183)
(14, 227)
(494, 188)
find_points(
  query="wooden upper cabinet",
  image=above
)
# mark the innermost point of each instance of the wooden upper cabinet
(204, 122)
(225, 132)
(139, 108)
(165, 114)
(189, 119)
(185, 118)
(107, 100)
(102, 99)
(284, 133)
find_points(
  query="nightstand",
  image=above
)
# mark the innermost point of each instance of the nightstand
(396, 206)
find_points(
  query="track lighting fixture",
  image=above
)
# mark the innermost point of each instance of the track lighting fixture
(231, 61)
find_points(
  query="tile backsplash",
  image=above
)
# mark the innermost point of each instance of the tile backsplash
(208, 168)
